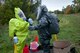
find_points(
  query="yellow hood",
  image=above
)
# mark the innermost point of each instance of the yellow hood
(17, 11)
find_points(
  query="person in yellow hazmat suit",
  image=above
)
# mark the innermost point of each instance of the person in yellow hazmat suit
(19, 27)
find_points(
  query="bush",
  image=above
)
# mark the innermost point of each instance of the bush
(7, 10)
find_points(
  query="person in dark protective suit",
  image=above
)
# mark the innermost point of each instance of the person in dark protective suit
(42, 28)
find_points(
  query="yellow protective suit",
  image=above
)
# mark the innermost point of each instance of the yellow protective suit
(19, 27)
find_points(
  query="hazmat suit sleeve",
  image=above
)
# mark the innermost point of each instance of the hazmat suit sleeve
(17, 25)
(42, 23)
(11, 28)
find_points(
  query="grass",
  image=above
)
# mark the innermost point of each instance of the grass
(6, 46)
(69, 30)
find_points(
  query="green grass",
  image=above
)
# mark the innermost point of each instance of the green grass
(69, 30)
(6, 46)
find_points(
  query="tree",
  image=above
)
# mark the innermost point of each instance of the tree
(57, 12)
(63, 10)
(77, 5)
(7, 10)
(68, 9)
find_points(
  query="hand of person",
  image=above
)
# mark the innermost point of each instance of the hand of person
(30, 21)
(31, 28)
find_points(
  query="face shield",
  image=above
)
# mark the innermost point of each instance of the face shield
(38, 13)
(21, 15)
(41, 10)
